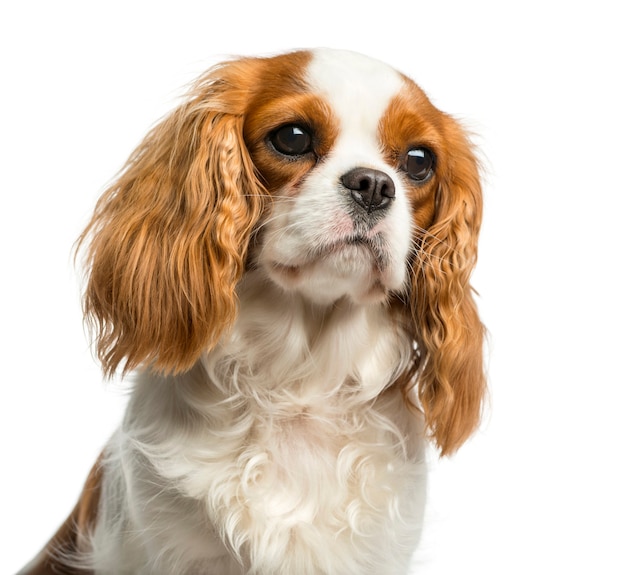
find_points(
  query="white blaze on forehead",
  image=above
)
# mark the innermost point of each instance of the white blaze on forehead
(358, 88)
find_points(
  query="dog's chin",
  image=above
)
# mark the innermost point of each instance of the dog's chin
(349, 271)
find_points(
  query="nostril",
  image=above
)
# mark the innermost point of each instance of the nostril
(388, 191)
(364, 185)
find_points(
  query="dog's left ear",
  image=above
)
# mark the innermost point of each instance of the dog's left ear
(451, 383)
(168, 240)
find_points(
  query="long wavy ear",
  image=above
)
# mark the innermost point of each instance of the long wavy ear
(167, 242)
(451, 382)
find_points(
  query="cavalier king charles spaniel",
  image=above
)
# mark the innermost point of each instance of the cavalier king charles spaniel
(284, 265)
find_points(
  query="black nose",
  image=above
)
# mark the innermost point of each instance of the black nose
(371, 189)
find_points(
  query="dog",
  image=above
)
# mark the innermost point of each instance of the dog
(283, 268)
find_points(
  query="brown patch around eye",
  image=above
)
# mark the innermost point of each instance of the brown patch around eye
(411, 123)
(310, 113)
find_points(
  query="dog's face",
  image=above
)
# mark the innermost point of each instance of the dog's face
(329, 172)
(349, 189)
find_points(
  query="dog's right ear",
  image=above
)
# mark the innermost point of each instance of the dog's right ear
(167, 243)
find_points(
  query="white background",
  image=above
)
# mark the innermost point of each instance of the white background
(540, 489)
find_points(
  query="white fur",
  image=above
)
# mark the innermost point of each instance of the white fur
(281, 452)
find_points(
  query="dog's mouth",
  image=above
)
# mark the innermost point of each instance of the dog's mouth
(353, 253)
(357, 246)
(358, 267)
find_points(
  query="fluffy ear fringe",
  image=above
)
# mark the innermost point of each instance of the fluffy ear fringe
(167, 243)
(449, 367)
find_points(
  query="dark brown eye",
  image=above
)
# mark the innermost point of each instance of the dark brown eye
(291, 140)
(419, 164)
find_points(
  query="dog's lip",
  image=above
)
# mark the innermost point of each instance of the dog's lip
(372, 243)
(336, 247)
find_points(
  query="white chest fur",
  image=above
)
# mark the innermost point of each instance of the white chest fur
(286, 457)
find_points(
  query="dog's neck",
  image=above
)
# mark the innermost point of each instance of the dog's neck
(282, 344)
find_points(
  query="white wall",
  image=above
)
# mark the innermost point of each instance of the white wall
(540, 489)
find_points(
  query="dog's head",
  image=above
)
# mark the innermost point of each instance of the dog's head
(331, 173)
